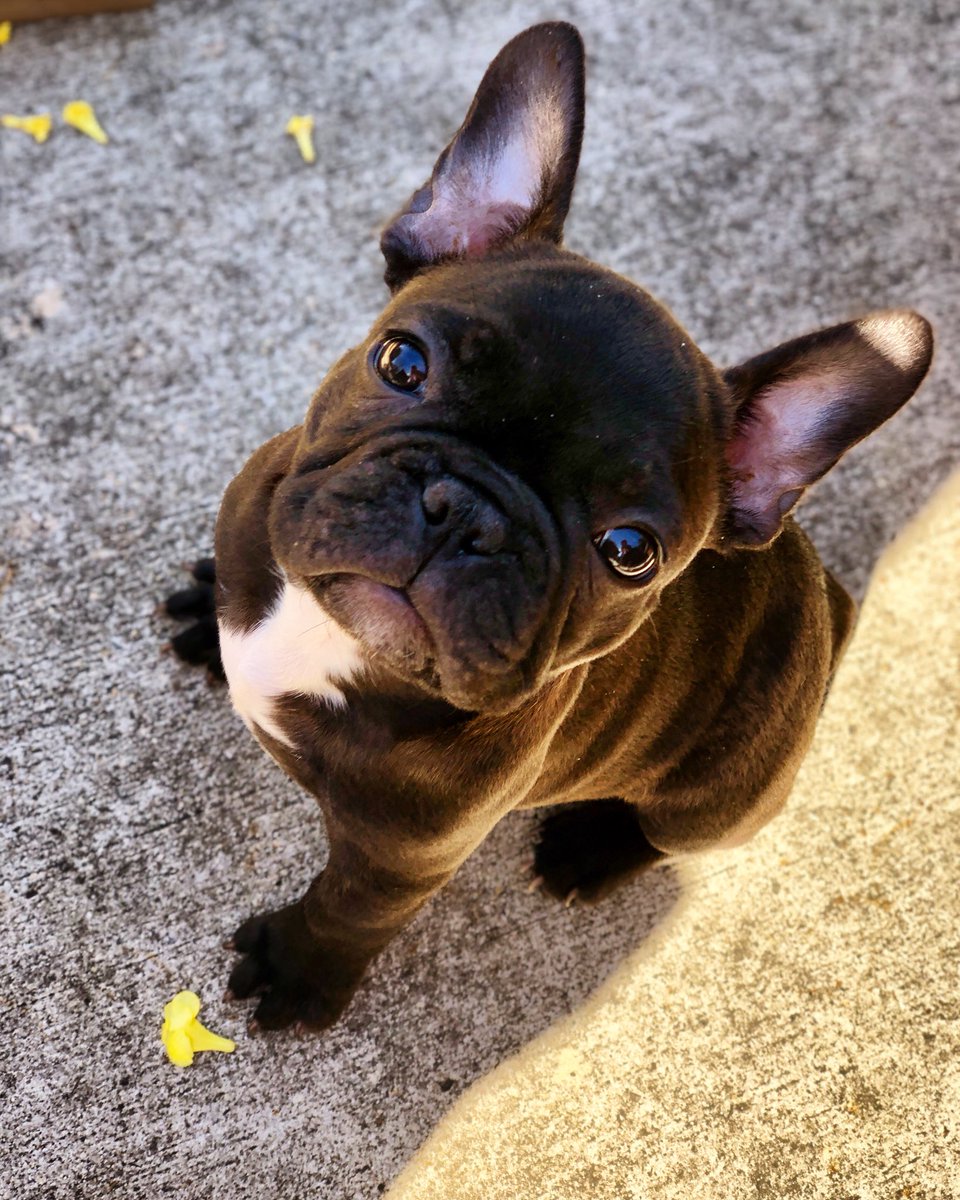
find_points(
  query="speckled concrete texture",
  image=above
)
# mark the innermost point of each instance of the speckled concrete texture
(793, 1030)
(169, 301)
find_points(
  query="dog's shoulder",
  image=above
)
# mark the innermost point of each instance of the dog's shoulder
(248, 583)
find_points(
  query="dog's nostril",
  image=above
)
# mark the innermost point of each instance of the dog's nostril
(475, 526)
(487, 537)
(436, 503)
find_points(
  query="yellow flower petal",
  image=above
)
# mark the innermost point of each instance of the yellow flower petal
(37, 126)
(301, 128)
(179, 1050)
(6, 28)
(203, 1039)
(182, 1034)
(181, 1010)
(80, 115)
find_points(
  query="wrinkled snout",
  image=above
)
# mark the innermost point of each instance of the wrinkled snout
(460, 515)
(439, 562)
(387, 516)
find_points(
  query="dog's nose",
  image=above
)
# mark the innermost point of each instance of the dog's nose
(475, 524)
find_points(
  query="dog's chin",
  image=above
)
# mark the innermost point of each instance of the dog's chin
(396, 636)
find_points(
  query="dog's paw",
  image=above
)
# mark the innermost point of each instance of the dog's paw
(199, 643)
(585, 851)
(298, 983)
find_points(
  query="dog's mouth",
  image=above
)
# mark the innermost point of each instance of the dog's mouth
(472, 673)
(385, 621)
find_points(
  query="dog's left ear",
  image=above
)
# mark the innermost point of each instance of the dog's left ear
(802, 405)
(509, 171)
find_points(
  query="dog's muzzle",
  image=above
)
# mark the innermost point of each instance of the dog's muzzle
(443, 565)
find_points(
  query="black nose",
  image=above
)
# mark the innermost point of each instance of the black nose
(473, 523)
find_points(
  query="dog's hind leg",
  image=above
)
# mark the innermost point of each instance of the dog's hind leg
(586, 850)
(199, 643)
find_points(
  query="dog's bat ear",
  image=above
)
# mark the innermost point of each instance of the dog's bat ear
(802, 405)
(509, 171)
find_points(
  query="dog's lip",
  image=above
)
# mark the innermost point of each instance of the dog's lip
(423, 660)
(398, 606)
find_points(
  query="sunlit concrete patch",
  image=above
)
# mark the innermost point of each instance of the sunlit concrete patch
(793, 1031)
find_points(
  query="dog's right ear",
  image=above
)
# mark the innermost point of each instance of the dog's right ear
(508, 173)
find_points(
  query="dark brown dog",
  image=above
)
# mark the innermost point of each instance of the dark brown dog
(529, 547)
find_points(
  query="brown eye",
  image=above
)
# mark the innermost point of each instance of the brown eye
(633, 553)
(402, 364)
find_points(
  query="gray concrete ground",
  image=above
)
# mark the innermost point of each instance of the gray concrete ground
(169, 301)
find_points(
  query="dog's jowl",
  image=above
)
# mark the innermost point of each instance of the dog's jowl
(529, 547)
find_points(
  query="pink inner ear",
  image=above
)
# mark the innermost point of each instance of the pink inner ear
(482, 195)
(775, 450)
(468, 231)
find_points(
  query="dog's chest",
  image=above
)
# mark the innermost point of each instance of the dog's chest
(298, 649)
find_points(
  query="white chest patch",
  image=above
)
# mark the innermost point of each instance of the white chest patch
(297, 648)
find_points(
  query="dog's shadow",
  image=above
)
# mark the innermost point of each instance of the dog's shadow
(485, 969)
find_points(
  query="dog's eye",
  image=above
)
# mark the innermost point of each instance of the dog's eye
(401, 363)
(633, 553)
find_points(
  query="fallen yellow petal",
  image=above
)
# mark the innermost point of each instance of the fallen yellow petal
(38, 126)
(179, 1050)
(181, 1009)
(183, 1035)
(301, 128)
(80, 115)
(201, 1038)
(6, 28)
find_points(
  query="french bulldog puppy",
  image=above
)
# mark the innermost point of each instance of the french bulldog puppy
(529, 547)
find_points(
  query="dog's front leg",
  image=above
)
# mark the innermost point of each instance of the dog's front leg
(306, 960)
